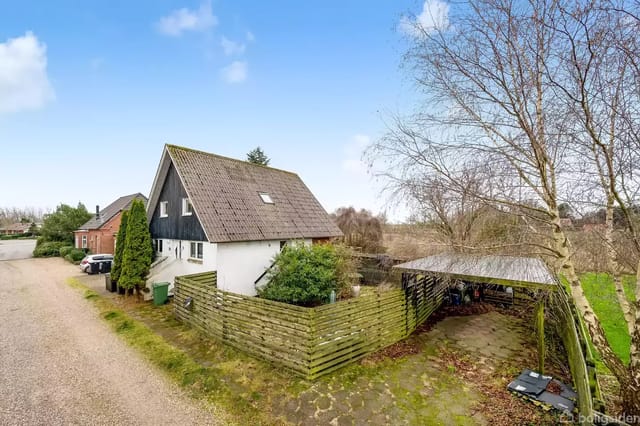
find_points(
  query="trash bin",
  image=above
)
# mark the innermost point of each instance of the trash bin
(110, 285)
(94, 268)
(160, 293)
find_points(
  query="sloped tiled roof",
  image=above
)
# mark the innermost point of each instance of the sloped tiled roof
(111, 210)
(225, 194)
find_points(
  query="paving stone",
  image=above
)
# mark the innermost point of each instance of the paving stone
(323, 403)
(347, 420)
(356, 401)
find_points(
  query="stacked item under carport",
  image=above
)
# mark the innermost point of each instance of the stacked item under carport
(534, 387)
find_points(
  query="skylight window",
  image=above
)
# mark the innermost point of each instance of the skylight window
(266, 198)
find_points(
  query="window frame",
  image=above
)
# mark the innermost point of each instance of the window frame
(164, 209)
(84, 241)
(266, 197)
(198, 248)
(187, 207)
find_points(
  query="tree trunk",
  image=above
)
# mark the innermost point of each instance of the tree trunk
(610, 359)
(630, 393)
(631, 390)
(614, 268)
(627, 308)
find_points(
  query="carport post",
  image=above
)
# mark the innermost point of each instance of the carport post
(540, 326)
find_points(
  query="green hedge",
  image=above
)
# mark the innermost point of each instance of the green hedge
(64, 251)
(75, 256)
(16, 236)
(49, 249)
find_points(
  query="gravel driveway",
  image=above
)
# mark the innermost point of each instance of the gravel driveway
(60, 363)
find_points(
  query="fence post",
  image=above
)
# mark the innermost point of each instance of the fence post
(540, 324)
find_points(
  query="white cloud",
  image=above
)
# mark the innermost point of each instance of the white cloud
(434, 17)
(231, 47)
(236, 72)
(353, 152)
(24, 83)
(183, 20)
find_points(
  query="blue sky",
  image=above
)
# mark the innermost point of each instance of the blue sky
(90, 92)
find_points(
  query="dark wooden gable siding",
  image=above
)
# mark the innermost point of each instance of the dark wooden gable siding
(175, 226)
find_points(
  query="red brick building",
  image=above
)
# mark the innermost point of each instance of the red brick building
(99, 234)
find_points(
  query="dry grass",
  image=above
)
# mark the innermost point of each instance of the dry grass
(411, 241)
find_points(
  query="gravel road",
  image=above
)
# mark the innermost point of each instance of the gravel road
(60, 364)
(16, 249)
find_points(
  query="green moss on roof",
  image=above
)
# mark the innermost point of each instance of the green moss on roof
(247, 163)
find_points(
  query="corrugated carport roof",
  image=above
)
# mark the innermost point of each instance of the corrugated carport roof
(504, 270)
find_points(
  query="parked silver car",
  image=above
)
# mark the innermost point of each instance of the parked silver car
(104, 259)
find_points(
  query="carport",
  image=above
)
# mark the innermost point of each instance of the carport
(517, 282)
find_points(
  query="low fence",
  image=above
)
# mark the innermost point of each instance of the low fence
(376, 269)
(574, 338)
(310, 342)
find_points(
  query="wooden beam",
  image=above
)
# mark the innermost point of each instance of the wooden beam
(489, 280)
(540, 327)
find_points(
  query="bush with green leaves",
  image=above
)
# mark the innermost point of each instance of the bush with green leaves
(64, 251)
(75, 255)
(306, 275)
(48, 249)
(137, 252)
(59, 226)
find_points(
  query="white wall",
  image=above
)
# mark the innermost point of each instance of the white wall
(240, 264)
(178, 261)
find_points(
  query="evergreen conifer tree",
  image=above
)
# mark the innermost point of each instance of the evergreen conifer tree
(257, 156)
(138, 252)
(116, 269)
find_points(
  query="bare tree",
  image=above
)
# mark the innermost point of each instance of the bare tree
(598, 86)
(455, 213)
(360, 228)
(493, 85)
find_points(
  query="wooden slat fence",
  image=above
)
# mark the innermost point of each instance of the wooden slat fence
(581, 362)
(310, 342)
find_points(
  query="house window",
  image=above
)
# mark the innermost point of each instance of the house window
(164, 208)
(157, 246)
(187, 210)
(266, 198)
(84, 241)
(282, 244)
(196, 250)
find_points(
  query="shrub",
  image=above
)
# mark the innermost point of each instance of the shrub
(48, 249)
(75, 255)
(64, 251)
(306, 275)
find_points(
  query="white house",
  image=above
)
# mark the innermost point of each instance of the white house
(212, 213)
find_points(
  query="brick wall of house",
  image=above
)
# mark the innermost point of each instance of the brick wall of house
(100, 240)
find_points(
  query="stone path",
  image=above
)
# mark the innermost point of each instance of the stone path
(414, 389)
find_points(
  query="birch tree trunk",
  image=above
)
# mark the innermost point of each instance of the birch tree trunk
(614, 268)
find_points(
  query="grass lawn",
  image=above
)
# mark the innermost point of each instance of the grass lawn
(600, 292)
